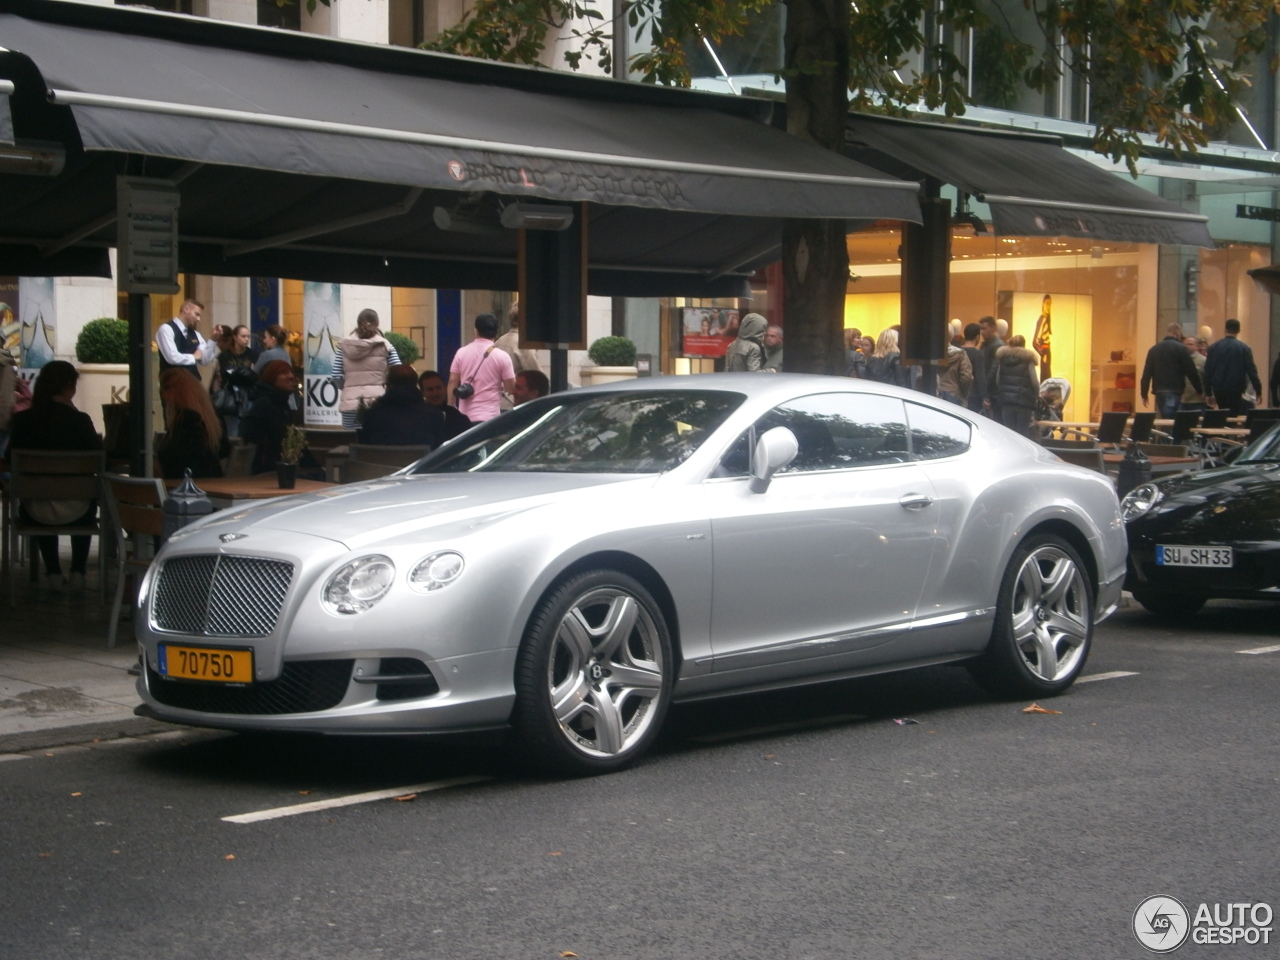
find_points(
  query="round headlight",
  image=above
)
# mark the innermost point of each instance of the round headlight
(1139, 500)
(359, 584)
(436, 571)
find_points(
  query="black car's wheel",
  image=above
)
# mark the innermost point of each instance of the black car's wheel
(1164, 604)
(593, 675)
(1044, 622)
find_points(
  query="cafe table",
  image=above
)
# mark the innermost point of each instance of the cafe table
(225, 492)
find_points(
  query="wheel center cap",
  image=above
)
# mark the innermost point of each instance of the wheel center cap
(595, 672)
(1041, 615)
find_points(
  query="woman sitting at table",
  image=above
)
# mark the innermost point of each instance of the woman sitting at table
(269, 417)
(54, 423)
(193, 438)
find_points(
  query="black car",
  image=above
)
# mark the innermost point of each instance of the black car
(1215, 533)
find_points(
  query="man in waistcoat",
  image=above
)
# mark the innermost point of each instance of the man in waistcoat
(181, 345)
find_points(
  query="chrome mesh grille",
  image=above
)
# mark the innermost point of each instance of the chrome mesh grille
(220, 596)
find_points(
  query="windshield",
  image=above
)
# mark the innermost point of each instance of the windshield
(637, 432)
(1266, 449)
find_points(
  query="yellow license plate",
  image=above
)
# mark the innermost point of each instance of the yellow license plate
(202, 663)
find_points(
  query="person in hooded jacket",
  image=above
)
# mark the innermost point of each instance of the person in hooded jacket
(360, 364)
(401, 417)
(747, 351)
(956, 376)
(1017, 384)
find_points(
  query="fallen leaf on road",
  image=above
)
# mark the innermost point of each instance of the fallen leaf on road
(304, 793)
(556, 853)
(567, 953)
(770, 756)
(1036, 708)
(48, 754)
(407, 797)
(77, 794)
(44, 854)
(229, 856)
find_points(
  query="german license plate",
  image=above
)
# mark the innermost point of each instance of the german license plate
(202, 663)
(1170, 555)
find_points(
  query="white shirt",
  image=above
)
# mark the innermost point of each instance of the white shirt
(172, 355)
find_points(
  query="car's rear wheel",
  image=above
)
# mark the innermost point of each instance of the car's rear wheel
(593, 675)
(1044, 622)
(1164, 604)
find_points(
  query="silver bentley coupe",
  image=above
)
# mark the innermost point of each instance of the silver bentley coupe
(570, 569)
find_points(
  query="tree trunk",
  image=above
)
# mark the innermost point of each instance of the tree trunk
(815, 259)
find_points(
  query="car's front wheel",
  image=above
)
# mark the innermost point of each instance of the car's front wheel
(593, 675)
(1044, 622)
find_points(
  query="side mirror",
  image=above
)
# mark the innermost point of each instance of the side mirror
(774, 450)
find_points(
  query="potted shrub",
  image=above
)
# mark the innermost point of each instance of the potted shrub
(614, 359)
(406, 348)
(291, 447)
(102, 352)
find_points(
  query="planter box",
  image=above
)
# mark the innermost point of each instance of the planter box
(99, 384)
(596, 375)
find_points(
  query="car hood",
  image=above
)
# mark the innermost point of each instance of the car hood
(360, 514)
(1238, 501)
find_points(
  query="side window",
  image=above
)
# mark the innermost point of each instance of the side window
(935, 434)
(835, 431)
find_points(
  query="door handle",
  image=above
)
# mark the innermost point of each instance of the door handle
(915, 501)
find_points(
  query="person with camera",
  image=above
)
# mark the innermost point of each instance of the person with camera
(480, 373)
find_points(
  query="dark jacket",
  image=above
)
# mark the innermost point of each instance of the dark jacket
(887, 369)
(265, 425)
(1229, 366)
(1016, 381)
(978, 390)
(1275, 384)
(54, 426)
(747, 351)
(186, 446)
(1169, 366)
(400, 417)
(989, 349)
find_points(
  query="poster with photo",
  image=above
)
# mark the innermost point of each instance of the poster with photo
(322, 326)
(38, 325)
(10, 328)
(708, 331)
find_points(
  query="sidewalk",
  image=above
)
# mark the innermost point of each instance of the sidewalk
(59, 684)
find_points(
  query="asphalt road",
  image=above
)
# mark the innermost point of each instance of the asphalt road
(799, 825)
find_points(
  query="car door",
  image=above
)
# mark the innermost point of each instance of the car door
(831, 559)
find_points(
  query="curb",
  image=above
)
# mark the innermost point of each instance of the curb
(84, 733)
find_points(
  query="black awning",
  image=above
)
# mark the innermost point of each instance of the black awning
(1033, 186)
(212, 93)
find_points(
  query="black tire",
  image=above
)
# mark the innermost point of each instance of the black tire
(1170, 605)
(593, 676)
(1044, 622)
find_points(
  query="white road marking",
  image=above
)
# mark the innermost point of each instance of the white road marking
(1114, 674)
(777, 728)
(351, 800)
(13, 756)
(1274, 649)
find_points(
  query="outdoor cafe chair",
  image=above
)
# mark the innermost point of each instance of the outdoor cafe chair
(1111, 428)
(49, 475)
(135, 519)
(1143, 426)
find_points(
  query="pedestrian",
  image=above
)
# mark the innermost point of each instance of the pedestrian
(773, 348)
(885, 363)
(1017, 384)
(955, 377)
(180, 344)
(481, 373)
(991, 343)
(746, 353)
(273, 339)
(400, 417)
(193, 438)
(360, 365)
(972, 347)
(1192, 398)
(855, 361)
(530, 385)
(452, 420)
(1168, 370)
(233, 378)
(1229, 369)
(1275, 383)
(52, 422)
(270, 415)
